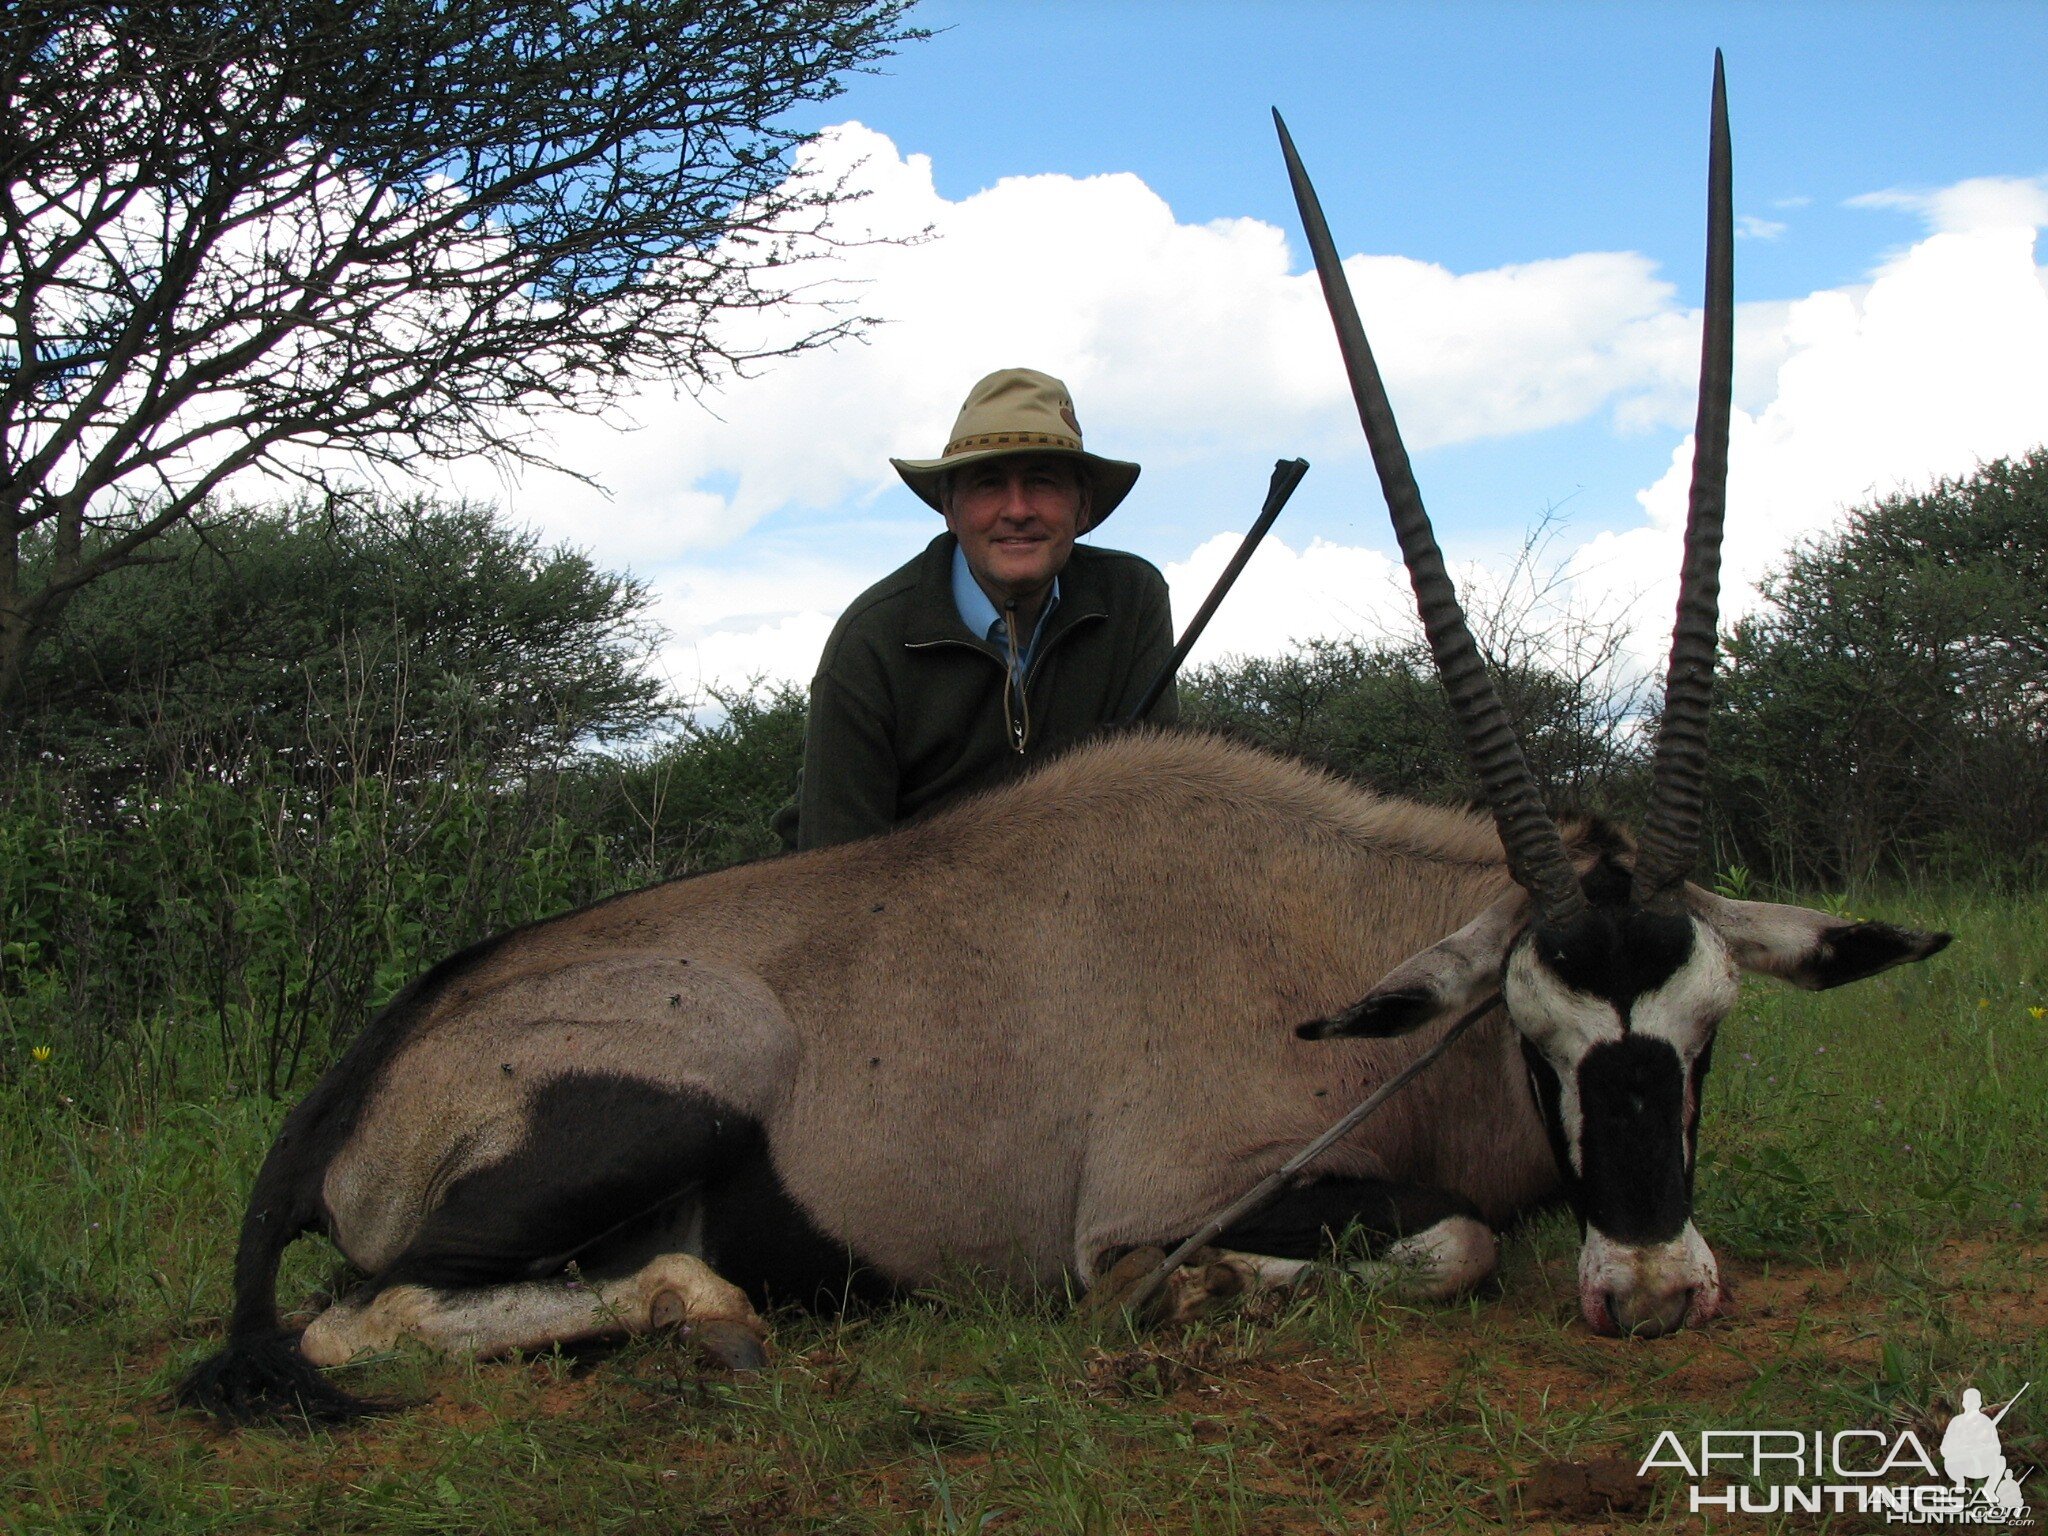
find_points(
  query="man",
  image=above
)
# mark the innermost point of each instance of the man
(1969, 1446)
(1000, 643)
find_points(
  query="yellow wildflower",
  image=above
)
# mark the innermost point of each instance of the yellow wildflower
(2039, 1013)
(40, 1053)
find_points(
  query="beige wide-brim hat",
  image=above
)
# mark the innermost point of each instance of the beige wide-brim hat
(1020, 410)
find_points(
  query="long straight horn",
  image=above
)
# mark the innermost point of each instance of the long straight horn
(1671, 830)
(1536, 854)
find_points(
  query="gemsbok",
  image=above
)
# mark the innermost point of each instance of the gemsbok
(1056, 1023)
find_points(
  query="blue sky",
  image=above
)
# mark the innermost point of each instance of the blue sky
(1480, 134)
(1519, 189)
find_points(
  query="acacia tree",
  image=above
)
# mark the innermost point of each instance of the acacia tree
(294, 235)
(328, 642)
(1376, 710)
(1887, 709)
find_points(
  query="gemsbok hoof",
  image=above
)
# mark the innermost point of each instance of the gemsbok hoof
(1210, 1281)
(729, 1346)
(1111, 1293)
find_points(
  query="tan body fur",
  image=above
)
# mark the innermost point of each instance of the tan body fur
(1057, 1018)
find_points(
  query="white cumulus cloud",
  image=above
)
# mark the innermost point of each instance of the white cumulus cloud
(1981, 202)
(1939, 365)
(759, 518)
(1285, 596)
(1177, 339)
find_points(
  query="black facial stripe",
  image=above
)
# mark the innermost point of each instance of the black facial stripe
(1543, 1085)
(1697, 1082)
(1634, 1183)
(1616, 953)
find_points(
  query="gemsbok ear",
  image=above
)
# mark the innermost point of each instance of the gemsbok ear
(1814, 950)
(1450, 977)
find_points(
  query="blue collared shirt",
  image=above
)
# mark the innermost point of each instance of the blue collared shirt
(982, 618)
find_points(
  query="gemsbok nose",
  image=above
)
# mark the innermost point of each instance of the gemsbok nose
(1650, 1315)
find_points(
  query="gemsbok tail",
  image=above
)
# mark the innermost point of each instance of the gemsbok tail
(259, 1373)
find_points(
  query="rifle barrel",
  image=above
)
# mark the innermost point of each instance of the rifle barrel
(1287, 475)
(2008, 1404)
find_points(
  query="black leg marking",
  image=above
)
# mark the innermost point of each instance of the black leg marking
(603, 1155)
(1304, 1223)
(609, 1175)
(761, 1240)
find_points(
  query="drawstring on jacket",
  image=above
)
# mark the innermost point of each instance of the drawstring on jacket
(1019, 722)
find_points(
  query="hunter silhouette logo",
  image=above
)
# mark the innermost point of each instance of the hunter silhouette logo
(1970, 1454)
(1865, 1471)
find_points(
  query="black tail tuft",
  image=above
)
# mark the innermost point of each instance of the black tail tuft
(263, 1376)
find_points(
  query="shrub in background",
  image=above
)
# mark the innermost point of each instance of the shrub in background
(229, 930)
(342, 638)
(242, 827)
(1886, 713)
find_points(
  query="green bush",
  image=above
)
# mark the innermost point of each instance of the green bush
(338, 640)
(706, 797)
(214, 935)
(229, 930)
(1376, 713)
(1886, 712)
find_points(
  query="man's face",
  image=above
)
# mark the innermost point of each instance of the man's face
(1016, 518)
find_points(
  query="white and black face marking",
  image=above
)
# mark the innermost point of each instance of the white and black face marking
(1617, 1016)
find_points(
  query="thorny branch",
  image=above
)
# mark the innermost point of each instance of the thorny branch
(301, 236)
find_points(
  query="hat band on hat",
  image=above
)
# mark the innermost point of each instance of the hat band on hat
(1011, 440)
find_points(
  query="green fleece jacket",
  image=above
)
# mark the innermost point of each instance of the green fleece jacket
(907, 709)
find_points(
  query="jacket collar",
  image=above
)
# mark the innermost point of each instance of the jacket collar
(934, 617)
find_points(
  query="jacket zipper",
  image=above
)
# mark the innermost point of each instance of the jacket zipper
(1015, 685)
(1019, 733)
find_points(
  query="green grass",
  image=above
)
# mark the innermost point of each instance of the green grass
(1872, 1169)
(1909, 1105)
